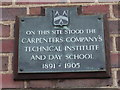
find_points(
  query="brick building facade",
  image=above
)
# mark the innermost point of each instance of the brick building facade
(8, 12)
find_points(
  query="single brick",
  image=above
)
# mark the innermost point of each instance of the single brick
(3, 3)
(115, 60)
(96, 9)
(4, 30)
(38, 1)
(0, 81)
(119, 60)
(103, 1)
(82, 1)
(84, 83)
(116, 11)
(7, 46)
(118, 77)
(22, 2)
(11, 13)
(91, 88)
(35, 11)
(8, 82)
(111, 43)
(118, 43)
(41, 84)
(4, 63)
(113, 27)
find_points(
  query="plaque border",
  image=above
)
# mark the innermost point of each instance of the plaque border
(63, 75)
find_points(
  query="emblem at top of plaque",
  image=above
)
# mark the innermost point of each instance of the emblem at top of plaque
(60, 18)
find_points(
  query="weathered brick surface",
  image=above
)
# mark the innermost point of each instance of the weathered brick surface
(118, 43)
(41, 84)
(35, 11)
(96, 9)
(114, 27)
(84, 83)
(7, 45)
(4, 30)
(11, 13)
(116, 11)
(115, 60)
(8, 82)
(4, 63)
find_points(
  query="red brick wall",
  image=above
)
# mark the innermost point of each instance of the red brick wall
(9, 10)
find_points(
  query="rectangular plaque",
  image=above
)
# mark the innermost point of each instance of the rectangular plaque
(61, 44)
